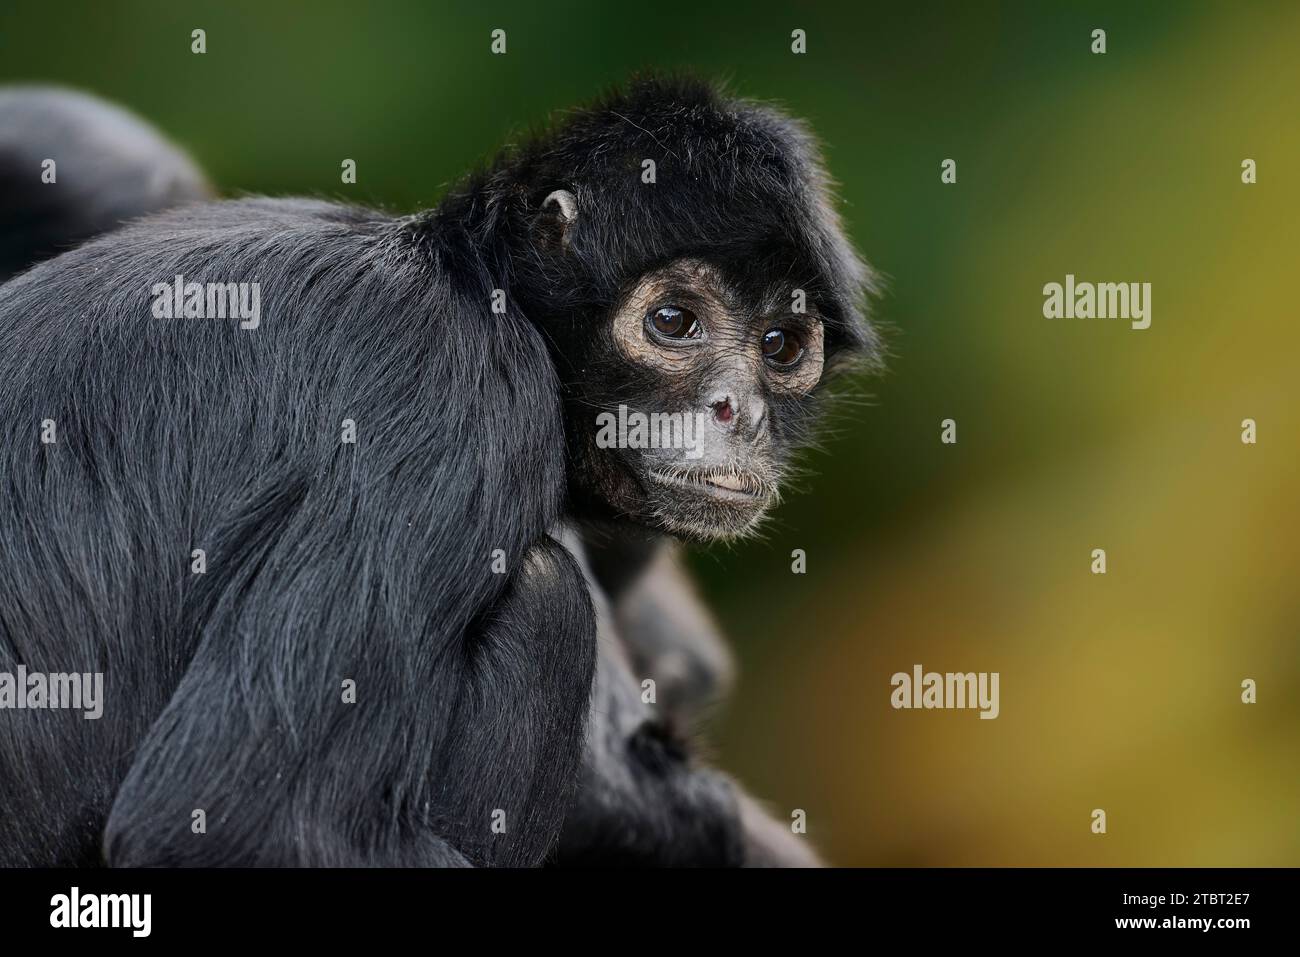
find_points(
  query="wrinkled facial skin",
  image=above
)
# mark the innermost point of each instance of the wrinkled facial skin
(721, 377)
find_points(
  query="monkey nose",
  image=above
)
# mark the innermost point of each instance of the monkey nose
(740, 413)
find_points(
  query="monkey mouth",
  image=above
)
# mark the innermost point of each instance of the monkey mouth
(725, 485)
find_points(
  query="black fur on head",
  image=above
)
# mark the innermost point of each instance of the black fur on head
(572, 226)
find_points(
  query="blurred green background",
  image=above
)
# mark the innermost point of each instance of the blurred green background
(1119, 691)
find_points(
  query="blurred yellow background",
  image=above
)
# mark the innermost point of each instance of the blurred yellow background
(1120, 691)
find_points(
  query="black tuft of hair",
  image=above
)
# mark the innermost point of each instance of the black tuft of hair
(738, 183)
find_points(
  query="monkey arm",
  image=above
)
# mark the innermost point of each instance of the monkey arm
(672, 636)
(641, 800)
(669, 634)
(644, 800)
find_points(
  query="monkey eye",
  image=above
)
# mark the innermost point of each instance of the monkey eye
(674, 322)
(782, 347)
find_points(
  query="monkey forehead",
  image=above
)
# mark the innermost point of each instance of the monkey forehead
(703, 280)
(690, 269)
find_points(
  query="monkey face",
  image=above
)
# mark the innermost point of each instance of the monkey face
(681, 253)
(690, 427)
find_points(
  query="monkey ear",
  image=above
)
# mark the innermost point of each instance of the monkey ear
(559, 213)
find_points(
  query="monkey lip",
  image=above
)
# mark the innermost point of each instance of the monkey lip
(743, 488)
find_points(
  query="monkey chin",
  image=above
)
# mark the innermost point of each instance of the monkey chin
(704, 518)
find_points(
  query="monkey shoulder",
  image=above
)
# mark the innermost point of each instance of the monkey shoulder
(256, 335)
(286, 282)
